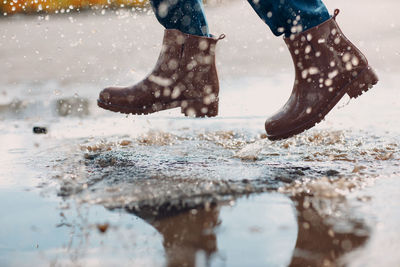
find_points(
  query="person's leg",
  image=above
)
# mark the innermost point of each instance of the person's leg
(290, 16)
(186, 16)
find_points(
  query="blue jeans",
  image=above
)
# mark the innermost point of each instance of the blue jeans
(282, 16)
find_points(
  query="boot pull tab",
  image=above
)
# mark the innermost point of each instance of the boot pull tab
(335, 13)
(222, 36)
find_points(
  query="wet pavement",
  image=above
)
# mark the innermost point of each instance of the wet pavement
(104, 189)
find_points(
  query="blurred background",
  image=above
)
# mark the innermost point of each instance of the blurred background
(10, 7)
(118, 42)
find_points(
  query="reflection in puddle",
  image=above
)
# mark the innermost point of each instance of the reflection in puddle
(266, 229)
(186, 235)
(318, 242)
(259, 230)
(222, 233)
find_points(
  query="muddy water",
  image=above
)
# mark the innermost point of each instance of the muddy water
(163, 190)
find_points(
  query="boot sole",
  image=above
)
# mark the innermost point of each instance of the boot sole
(362, 83)
(190, 108)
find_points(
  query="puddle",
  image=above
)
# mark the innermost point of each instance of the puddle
(200, 195)
(184, 184)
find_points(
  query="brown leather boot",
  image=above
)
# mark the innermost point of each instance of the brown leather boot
(185, 76)
(328, 66)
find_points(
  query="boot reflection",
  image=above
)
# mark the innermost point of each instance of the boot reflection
(318, 244)
(185, 233)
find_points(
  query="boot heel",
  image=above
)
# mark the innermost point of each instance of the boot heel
(197, 108)
(363, 82)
